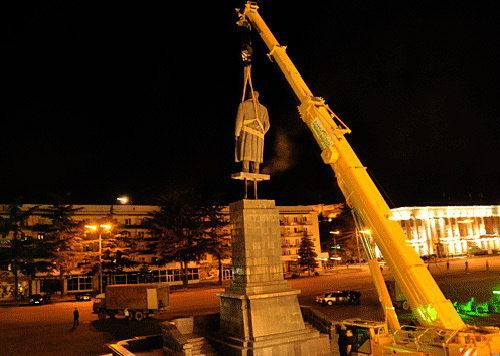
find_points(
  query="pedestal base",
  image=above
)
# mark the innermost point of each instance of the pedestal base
(308, 342)
(260, 313)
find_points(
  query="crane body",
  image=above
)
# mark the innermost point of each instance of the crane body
(444, 332)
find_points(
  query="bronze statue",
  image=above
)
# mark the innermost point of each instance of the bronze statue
(252, 123)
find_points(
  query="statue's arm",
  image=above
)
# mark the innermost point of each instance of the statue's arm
(265, 120)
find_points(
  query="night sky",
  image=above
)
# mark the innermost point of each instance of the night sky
(117, 97)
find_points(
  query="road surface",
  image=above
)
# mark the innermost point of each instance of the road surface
(48, 329)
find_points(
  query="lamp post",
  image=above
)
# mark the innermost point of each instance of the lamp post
(335, 233)
(99, 229)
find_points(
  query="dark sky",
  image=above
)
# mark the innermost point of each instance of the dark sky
(119, 97)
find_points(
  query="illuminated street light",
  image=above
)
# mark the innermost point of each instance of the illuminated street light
(365, 231)
(335, 246)
(95, 228)
(122, 200)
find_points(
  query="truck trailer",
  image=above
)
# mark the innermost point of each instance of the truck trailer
(139, 300)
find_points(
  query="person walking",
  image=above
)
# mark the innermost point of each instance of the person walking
(76, 316)
(127, 315)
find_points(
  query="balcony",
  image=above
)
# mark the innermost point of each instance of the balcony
(295, 223)
(296, 234)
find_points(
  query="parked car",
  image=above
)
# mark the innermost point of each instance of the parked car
(82, 296)
(38, 299)
(339, 297)
(330, 298)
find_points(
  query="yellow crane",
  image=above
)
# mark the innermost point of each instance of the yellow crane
(442, 331)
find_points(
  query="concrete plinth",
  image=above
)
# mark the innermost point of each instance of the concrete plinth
(260, 313)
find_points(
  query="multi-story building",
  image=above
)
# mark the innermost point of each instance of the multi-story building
(297, 222)
(451, 230)
(432, 230)
(128, 221)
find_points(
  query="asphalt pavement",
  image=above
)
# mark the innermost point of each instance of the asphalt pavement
(48, 329)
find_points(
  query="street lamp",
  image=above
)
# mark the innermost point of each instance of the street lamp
(100, 229)
(123, 199)
(336, 258)
(335, 239)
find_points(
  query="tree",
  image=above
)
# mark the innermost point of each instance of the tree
(218, 241)
(21, 249)
(64, 234)
(307, 255)
(179, 228)
(117, 246)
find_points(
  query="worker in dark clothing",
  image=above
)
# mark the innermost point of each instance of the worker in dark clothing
(76, 315)
(351, 344)
(341, 331)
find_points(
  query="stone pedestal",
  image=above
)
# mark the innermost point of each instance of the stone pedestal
(260, 313)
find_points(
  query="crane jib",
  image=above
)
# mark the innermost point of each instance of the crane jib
(445, 332)
(429, 304)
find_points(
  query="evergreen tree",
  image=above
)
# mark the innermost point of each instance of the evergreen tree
(22, 249)
(64, 234)
(117, 246)
(179, 229)
(307, 255)
(218, 242)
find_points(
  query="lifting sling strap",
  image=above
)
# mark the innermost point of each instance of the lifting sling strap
(248, 80)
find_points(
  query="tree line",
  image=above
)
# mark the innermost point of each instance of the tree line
(183, 228)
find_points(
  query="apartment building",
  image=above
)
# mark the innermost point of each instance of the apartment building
(128, 221)
(295, 223)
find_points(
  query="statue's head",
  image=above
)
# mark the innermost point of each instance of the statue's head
(255, 94)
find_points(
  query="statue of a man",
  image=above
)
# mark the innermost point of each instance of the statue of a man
(252, 123)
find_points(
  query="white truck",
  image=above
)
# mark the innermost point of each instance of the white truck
(139, 300)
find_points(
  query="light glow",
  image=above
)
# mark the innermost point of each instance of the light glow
(122, 200)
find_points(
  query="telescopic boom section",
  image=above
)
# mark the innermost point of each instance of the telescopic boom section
(420, 289)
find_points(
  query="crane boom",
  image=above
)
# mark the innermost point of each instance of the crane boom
(421, 290)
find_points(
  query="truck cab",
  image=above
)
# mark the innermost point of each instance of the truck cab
(99, 303)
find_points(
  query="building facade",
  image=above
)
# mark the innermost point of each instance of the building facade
(451, 230)
(128, 222)
(297, 222)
